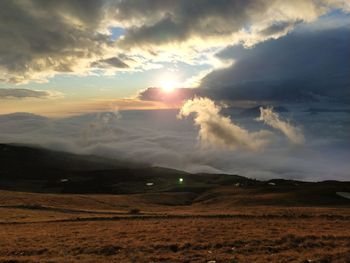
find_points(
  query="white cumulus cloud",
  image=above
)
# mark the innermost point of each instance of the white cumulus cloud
(219, 131)
(271, 118)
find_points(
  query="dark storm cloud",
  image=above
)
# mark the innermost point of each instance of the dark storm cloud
(164, 31)
(180, 20)
(304, 65)
(278, 27)
(23, 93)
(168, 21)
(40, 38)
(110, 62)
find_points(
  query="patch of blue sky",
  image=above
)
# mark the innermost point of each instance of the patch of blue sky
(117, 32)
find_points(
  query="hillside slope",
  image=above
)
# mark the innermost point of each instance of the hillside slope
(30, 169)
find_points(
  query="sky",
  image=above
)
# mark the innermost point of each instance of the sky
(198, 85)
(83, 54)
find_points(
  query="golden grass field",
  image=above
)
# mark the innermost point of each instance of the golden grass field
(100, 228)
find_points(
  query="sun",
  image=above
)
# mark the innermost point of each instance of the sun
(168, 86)
(169, 83)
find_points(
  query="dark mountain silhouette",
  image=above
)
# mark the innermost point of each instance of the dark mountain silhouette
(31, 169)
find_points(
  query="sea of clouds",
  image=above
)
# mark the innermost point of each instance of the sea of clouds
(201, 137)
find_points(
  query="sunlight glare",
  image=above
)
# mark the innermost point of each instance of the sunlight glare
(169, 83)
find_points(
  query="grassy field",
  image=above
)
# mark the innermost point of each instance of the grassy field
(60, 207)
(100, 228)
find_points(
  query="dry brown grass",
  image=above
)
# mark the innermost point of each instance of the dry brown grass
(64, 228)
(178, 240)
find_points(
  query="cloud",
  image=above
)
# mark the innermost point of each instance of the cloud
(110, 62)
(43, 38)
(174, 97)
(219, 131)
(157, 137)
(40, 39)
(193, 31)
(271, 118)
(306, 65)
(27, 93)
(68, 107)
(167, 22)
(278, 27)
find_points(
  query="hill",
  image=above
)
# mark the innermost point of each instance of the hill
(27, 168)
(59, 207)
(31, 169)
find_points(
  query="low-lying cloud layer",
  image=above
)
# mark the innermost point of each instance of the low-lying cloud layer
(157, 137)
